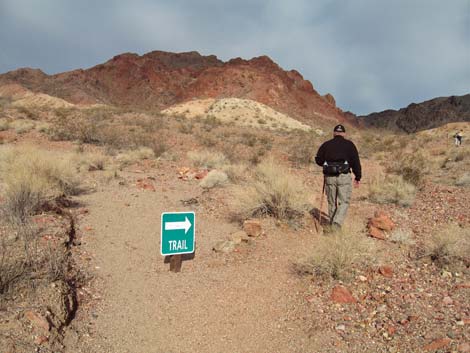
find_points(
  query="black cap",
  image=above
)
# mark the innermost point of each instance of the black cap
(339, 128)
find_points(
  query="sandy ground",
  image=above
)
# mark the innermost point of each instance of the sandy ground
(246, 301)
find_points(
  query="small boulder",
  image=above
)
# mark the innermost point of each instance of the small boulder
(386, 271)
(252, 227)
(437, 344)
(224, 246)
(376, 233)
(382, 221)
(447, 300)
(37, 320)
(239, 237)
(342, 295)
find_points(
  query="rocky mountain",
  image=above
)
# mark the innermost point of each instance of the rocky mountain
(158, 80)
(422, 116)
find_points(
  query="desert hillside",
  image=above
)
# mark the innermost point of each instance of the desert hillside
(422, 116)
(158, 80)
(83, 186)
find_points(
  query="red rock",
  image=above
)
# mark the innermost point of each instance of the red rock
(341, 294)
(376, 233)
(391, 330)
(40, 340)
(252, 227)
(88, 229)
(447, 301)
(201, 174)
(37, 320)
(437, 344)
(464, 348)
(145, 184)
(383, 222)
(466, 320)
(386, 271)
(129, 80)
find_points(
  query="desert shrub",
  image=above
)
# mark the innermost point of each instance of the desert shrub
(90, 161)
(412, 166)
(208, 159)
(401, 236)
(236, 172)
(274, 191)
(303, 148)
(26, 112)
(4, 125)
(336, 255)
(213, 178)
(464, 180)
(22, 126)
(32, 176)
(449, 245)
(132, 156)
(392, 189)
(5, 102)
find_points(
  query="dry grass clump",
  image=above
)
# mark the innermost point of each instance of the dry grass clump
(303, 148)
(91, 161)
(337, 255)
(412, 167)
(236, 172)
(464, 180)
(392, 189)
(214, 178)
(449, 246)
(132, 156)
(274, 191)
(4, 125)
(208, 159)
(22, 126)
(401, 236)
(32, 176)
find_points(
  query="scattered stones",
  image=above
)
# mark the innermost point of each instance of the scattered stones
(447, 300)
(340, 328)
(437, 344)
(145, 184)
(239, 237)
(37, 320)
(224, 246)
(40, 340)
(342, 295)
(362, 278)
(464, 348)
(252, 227)
(386, 271)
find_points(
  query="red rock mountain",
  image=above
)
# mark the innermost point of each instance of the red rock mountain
(159, 79)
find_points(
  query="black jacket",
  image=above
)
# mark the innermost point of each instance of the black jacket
(338, 149)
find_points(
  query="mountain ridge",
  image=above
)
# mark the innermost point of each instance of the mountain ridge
(158, 80)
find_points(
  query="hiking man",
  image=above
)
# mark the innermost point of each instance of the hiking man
(458, 138)
(337, 157)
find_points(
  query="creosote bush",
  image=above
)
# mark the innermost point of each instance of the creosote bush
(336, 255)
(208, 159)
(32, 176)
(449, 246)
(273, 191)
(392, 189)
(214, 178)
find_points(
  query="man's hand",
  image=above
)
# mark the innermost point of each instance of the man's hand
(357, 183)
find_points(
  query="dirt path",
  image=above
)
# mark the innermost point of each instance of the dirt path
(247, 301)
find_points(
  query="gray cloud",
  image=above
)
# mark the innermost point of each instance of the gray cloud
(371, 55)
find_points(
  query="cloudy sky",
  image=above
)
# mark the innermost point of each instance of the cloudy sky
(370, 54)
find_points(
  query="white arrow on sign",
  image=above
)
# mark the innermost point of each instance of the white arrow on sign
(179, 225)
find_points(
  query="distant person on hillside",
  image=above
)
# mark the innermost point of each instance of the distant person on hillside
(458, 137)
(337, 157)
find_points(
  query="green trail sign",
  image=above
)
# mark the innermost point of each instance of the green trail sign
(177, 233)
